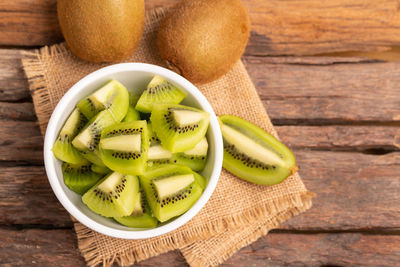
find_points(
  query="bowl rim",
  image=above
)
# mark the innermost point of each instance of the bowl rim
(52, 132)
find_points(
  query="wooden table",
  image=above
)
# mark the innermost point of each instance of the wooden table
(341, 116)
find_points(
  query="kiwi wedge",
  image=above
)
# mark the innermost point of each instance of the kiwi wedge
(157, 155)
(62, 148)
(113, 196)
(100, 169)
(113, 97)
(159, 91)
(254, 155)
(132, 114)
(141, 216)
(194, 158)
(124, 147)
(171, 190)
(79, 177)
(179, 127)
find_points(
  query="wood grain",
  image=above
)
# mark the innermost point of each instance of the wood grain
(17, 111)
(298, 27)
(310, 90)
(58, 248)
(355, 191)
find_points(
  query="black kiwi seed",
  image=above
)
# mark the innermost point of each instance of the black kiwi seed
(249, 162)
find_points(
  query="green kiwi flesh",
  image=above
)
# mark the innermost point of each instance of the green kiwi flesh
(62, 148)
(159, 91)
(178, 127)
(100, 169)
(157, 155)
(253, 154)
(132, 114)
(175, 204)
(113, 196)
(113, 97)
(79, 177)
(141, 216)
(194, 158)
(128, 151)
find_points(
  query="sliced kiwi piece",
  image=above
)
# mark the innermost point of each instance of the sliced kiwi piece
(159, 91)
(124, 147)
(132, 114)
(141, 216)
(62, 148)
(113, 196)
(253, 154)
(194, 158)
(157, 155)
(100, 169)
(173, 126)
(113, 97)
(79, 177)
(173, 201)
(93, 156)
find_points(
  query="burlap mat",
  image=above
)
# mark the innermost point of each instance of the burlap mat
(238, 212)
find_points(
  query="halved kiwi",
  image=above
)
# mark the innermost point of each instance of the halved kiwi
(62, 148)
(194, 158)
(124, 147)
(179, 127)
(113, 196)
(170, 190)
(159, 91)
(113, 97)
(132, 114)
(141, 216)
(254, 155)
(79, 177)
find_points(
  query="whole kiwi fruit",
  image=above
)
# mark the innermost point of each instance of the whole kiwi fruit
(101, 31)
(203, 39)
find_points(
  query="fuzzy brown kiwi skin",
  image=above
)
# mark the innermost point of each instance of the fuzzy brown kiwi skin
(101, 31)
(203, 56)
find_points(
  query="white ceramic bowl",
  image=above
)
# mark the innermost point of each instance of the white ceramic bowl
(135, 76)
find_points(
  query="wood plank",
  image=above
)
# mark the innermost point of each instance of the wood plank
(310, 90)
(279, 249)
(13, 83)
(58, 248)
(37, 247)
(333, 92)
(17, 111)
(22, 141)
(297, 27)
(355, 191)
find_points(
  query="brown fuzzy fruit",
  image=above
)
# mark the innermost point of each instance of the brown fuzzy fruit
(203, 39)
(101, 31)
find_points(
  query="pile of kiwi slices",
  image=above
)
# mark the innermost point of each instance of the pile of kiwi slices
(135, 158)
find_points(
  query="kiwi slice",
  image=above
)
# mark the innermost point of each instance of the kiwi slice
(157, 155)
(254, 155)
(113, 97)
(132, 114)
(88, 139)
(179, 127)
(100, 169)
(159, 91)
(62, 148)
(113, 196)
(194, 158)
(141, 215)
(170, 190)
(79, 177)
(124, 147)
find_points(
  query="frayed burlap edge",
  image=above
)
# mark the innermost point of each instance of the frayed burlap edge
(273, 222)
(301, 202)
(35, 71)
